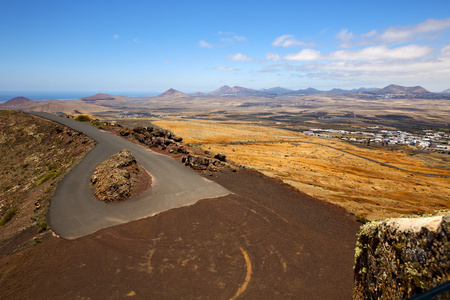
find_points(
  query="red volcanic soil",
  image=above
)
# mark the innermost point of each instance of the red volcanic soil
(264, 241)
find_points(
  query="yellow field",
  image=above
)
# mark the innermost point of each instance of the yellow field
(321, 168)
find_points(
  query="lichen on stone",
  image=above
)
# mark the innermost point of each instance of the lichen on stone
(399, 258)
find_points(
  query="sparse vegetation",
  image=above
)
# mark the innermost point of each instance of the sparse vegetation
(36, 241)
(35, 152)
(49, 175)
(361, 220)
(82, 118)
(371, 182)
(9, 215)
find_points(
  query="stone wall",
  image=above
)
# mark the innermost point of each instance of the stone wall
(400, 258)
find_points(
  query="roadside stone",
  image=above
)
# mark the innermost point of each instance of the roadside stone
(221, 156)
(196, 162)
(124, 132)
(403, 257)
(111, 179)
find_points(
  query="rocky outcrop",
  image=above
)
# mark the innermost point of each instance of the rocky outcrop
(221, 156)
(400, 258)
(114, 179)
(202, 162)
(165, 140)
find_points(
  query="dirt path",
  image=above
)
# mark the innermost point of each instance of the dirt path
(264, 241)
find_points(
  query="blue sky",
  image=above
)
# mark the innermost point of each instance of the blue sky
(151, 46)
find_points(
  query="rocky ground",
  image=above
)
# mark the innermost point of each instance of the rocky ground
(265, 240)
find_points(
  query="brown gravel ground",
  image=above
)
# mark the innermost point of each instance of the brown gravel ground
(264, 241)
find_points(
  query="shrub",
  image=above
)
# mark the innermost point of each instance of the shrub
(50, 175)
(361, 220)
(42, 226)
(35, 241)
(9, 215)
(82, 118)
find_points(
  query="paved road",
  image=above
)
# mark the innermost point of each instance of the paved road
(75, 212)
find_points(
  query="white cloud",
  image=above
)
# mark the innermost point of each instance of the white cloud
(304, 55)
(205, 44)
(240, 57)
(273, 56)
(345, 36)
(429, 29)
(382, 71)
(236, 38)
(368, 53)
(137, 41)
(288, 40)
(446, 51)
(277, 68)
(220, 32)
(369, 34)
(116, 36)
(380, 52)
(239, 38)
(407, 33)
(222, 68)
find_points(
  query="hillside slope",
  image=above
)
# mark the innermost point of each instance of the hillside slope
(35, 155)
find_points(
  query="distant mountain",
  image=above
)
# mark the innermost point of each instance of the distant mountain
(235, 91)
(309, 91)
(18, 102)
(277, 90)
(401, 90)
(390, 91)
(53, 106)
(98, 97)
(447, 91)
(363, 90)
(198, 94)
(222, 90)
(173, 93)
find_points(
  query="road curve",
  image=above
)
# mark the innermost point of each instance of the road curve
(75, 212)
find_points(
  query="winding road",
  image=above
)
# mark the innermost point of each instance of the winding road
(75, 212)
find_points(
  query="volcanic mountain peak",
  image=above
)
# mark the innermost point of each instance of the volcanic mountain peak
(222, 90)
(235, 90)
(18, 101)
(99, 97)
(277, 90)
(397, 89)
(173, 93)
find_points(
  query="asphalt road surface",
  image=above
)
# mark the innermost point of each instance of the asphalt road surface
(75, 212)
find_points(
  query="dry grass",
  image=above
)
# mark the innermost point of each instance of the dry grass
(318, 167)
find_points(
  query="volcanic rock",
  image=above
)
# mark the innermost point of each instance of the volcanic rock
(403, 257)
(112, 180)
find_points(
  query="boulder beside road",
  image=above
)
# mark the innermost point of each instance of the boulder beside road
(112, 180)
(402, 257)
